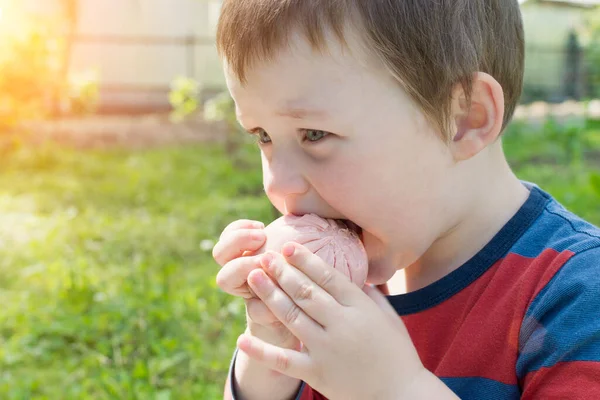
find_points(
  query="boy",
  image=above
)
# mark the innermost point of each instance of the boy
(388, 113)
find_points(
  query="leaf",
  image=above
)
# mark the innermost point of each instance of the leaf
(595, 182)
(140, 371)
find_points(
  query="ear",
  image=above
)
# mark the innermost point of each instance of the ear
(477, 126)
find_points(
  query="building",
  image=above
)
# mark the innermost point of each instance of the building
(548, 26)
(140, 46)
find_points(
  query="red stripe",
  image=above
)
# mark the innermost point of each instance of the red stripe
(565, 380)
(482, 322)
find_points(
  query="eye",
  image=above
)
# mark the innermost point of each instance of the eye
(314, 135)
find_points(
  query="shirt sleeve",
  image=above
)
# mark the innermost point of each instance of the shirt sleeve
(305, 392)
(559, 342)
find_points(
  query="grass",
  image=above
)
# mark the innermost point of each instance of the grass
(106, 275)
(561, 159)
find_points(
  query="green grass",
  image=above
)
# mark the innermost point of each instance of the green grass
(562, 160)
(106, 289)
(106, 292)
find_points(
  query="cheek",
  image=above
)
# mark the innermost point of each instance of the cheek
(338, 183)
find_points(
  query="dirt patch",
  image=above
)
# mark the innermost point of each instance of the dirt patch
(156, 129)
(538, 112)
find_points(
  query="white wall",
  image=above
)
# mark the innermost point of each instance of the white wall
(139, 74)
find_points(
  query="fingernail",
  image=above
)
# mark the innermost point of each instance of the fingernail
(258, 236)
(266, 260)
(288, 250)
(258, 278)
(258, 225)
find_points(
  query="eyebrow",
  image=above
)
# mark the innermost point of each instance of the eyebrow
(301, 112)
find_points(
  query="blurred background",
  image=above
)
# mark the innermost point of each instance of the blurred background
(121, 163)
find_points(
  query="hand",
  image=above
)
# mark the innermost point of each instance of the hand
(355, 346)
(235, 253)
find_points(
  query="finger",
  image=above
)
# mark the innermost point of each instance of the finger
(236, 243)
(381, 301)
(233, 277)
(291, 316)
(259, 313)
(242, 224)
(338, 285)
(384, 305)
(292, 363)
(306, 294)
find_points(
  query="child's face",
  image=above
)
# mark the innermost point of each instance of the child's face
(379, 165)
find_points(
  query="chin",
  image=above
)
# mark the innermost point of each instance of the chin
(378, 273)
(381, 263)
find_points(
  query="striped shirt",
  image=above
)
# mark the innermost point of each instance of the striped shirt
(521, 319)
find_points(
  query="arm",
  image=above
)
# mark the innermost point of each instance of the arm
(559, 349)
(249, 380)
(430, 387)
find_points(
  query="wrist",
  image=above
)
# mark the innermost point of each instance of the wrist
(249, 379)
(426, 385)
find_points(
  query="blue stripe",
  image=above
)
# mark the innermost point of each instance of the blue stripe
(557, 229)
(563, 322)
(482, 388)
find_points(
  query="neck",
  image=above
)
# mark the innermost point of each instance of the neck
(494, 201)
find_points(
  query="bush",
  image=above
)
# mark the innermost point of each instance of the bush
(83, 93)
(28, 78)
(183, 97)
(34, 60)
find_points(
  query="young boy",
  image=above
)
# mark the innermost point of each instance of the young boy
(388, 114)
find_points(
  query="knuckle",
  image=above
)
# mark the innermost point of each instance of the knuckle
(276, 269)
(305, 292)
(282, 361)
(291, 316)
(327, 278)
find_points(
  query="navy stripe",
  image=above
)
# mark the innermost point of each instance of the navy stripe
(482, 388)
(462, 277)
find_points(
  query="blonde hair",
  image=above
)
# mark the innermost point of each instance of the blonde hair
(428, 45)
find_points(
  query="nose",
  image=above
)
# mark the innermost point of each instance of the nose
(284, 181)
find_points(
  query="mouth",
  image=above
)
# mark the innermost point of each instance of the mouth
(354, 227)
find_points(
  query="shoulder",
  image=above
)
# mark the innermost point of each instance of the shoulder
(563, 252)
(556, 229)
(560, 322)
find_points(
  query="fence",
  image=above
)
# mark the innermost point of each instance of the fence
(156, 60)
(555, 74)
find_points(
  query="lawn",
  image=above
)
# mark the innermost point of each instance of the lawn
(106, 276)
